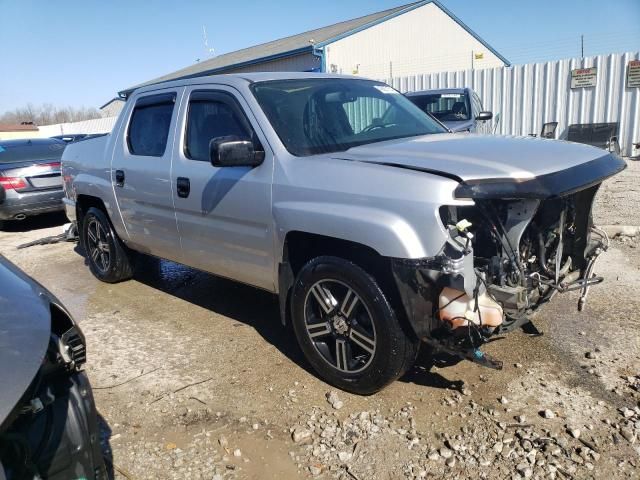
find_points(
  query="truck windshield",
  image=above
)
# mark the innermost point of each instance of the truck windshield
(320, 115)
(446, 107)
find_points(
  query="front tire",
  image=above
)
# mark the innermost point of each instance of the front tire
(107, 256)
(347, 328)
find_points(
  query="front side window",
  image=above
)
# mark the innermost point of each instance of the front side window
(212, 115)
(320, 115)
(446, 107)
(149, 125)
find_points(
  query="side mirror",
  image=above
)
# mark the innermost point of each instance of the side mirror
(233, 152)
(483, 116)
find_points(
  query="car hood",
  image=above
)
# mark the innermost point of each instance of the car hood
(25, 327)
(473, 159)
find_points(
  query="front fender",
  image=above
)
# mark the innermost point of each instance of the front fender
(388, 233)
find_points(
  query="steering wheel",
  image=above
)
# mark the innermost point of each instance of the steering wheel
(374, 126)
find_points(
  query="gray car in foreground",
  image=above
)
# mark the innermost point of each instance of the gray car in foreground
(376, 228)
(48, 419)
(30, 182)
(459, 109)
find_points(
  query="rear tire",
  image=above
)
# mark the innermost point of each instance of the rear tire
(108, 257)
(347, 328)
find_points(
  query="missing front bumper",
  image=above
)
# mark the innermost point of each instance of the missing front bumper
(442, 313)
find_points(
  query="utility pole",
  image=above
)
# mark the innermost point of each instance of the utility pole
(471, 59)
(582, 46)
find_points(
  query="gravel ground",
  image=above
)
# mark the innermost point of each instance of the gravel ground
(195, 378)
(619, 198)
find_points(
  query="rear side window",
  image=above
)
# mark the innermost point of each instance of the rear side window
(149, 125)
(213, 115)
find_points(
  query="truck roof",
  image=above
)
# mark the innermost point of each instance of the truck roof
(234, 79)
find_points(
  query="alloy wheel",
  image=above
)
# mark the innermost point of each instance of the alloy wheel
(340, 326)
(98, 245)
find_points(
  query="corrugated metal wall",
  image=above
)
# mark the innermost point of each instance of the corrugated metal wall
(527, 96)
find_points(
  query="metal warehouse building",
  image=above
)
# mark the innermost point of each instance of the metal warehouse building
(417, 38)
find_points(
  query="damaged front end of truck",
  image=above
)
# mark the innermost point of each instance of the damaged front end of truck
(518, 245)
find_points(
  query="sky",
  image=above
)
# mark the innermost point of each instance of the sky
(81, 52)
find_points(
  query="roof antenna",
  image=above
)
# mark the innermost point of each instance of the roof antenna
(210, 52)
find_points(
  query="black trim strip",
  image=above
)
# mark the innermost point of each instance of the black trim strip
(556, 184)
(158, 99)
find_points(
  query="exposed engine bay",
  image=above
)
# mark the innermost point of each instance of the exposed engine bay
(503, 260)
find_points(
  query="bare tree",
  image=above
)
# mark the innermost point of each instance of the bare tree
(48, 114)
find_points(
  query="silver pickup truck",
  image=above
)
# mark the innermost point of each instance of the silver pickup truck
(377, 229)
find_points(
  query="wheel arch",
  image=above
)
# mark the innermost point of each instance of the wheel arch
(300, 246)
(85, 202)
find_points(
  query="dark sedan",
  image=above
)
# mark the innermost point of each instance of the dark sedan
(48, 419)
(30, 182)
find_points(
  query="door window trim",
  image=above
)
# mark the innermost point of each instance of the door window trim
(226, 98)
(147, 101)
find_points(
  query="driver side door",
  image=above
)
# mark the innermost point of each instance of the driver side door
(223, 213)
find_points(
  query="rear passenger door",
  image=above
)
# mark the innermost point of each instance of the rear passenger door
(141, 173)
(223, 213)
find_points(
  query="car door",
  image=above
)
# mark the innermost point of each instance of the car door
(223, 213)
(141, 174)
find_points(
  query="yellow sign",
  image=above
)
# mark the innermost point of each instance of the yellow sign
(479, 56)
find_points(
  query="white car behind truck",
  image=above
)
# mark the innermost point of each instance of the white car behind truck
(377, 229)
